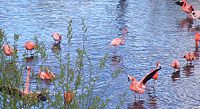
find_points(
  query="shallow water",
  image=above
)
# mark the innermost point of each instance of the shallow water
(158, 31)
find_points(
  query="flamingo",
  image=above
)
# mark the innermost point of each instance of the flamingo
(68, 97)
(185, 6)
(176, 65)
(8, 50)
(47, 75)
(29, 45)
(197, 39)
(139, 86)
(38, 96)
(57, 37)
(189, 57)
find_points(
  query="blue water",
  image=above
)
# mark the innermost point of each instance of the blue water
(158, 31)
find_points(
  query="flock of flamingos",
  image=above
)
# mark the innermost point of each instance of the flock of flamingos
(135, 86)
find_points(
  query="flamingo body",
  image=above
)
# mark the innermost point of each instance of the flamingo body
(175, 64)
(29, 45)
(117, 41)
(189, 56)
(46, 75)
(56, 36)
(7, 49)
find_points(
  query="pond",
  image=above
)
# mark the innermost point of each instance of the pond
(158, 32)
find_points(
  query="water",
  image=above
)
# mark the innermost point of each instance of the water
(158, 31)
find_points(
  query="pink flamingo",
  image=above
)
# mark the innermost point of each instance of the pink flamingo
(139, 86)
(185, 6)
(197, 39)
(47, 75)
(8, 50)
(29, 45)
(176, 65)
(26, 91)
(57, 37)
(120, 40)
(189, 57)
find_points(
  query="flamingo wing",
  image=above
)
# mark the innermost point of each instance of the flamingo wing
(150, 75)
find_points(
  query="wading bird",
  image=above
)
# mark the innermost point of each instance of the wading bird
(189, 57)
(176, 65)
(139, 86)
(57, 37)
(32, 96)
(29, 45)
(185, 6)
(7, 49)
(46, 75)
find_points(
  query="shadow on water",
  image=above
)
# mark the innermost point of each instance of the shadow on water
(187, 70)
(175, 75)
(136, 105)
(186, 23)
(56, 47)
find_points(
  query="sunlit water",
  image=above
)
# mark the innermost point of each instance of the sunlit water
(157, 32)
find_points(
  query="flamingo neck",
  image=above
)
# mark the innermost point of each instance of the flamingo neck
(27, 82)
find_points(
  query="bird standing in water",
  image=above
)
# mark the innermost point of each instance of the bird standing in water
(176, 65)
(29, 45)
(120, 40)
(46, 75)
(57, 37)
(185, 6)
(189, 57)
(139, 86)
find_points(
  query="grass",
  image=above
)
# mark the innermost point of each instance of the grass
(70, 78)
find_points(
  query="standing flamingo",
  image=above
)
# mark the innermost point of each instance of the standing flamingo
(120, 40)
(30, 45)
(139, 86)
(176, 65)
(189, 57)
(57, 37)
(26, 91)
(47, 75)
(185, 6)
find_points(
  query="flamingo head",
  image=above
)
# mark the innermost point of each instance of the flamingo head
(158, 64)
(179, 2)
(28, 68)
(130, 78)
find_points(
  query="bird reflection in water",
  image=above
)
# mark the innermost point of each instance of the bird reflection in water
(176, 75)
(186, 23)
(152, 99)
(187, 70)
(136, 105)
(56, 47)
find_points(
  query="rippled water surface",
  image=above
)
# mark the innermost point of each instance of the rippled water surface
(158, 31)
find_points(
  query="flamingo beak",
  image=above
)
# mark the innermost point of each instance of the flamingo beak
(180, 3)
(128, 79)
